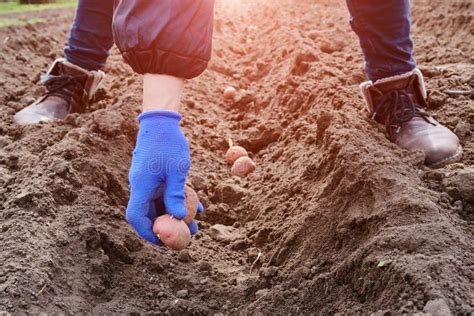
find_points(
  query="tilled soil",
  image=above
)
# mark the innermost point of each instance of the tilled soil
(335, 219)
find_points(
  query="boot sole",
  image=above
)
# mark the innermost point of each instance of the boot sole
(453, 158)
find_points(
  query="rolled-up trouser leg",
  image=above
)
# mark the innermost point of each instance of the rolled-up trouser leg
(170, 37)
(90, 38)
(383, 27)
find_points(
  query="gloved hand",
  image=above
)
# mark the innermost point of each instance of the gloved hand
(161, 158)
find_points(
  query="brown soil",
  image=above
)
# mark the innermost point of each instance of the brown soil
(334, 219)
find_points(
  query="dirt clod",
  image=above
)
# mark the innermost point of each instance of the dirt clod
(184, 256)
(205, 266)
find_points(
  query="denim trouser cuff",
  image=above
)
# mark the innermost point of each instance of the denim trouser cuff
(383, 28)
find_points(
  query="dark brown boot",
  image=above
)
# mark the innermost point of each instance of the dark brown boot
(69, 89)
(400, 104)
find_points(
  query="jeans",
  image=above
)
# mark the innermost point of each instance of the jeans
(90, 38)
(383, 27)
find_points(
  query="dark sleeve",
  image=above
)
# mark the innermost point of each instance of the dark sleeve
(172, 37)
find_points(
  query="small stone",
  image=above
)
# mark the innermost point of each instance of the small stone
(182, 293)
(462, 129)
(437, 307)
(384, 263)
(260, 293)
(224, 233)
(203, 281)
(409, 304)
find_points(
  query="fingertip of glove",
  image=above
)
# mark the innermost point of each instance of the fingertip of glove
(200, 208)
(193, 228)
(153, 239)
(178, 213)
(176, 210)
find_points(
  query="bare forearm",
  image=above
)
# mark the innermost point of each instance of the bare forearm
(162, 93)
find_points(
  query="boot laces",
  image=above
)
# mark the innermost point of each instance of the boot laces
(396, 108)
(67, 87)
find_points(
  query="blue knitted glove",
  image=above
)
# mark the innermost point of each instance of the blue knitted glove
(161, 158)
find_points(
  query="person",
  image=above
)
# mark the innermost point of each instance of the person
(166, 51)
(170, 40)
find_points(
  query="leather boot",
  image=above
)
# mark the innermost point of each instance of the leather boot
(399, 103)
(69, 89)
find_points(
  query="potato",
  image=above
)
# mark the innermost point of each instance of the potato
(234, 153)
(174, 233)
(192, 201)
(242, 167)
(229, 93)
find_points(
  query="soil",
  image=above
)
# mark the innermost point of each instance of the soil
(336, 219)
